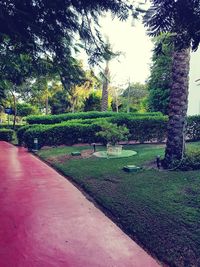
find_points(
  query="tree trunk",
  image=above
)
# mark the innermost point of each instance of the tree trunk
(104, 101)
(178, 105)
(47, 105)
(15, 108)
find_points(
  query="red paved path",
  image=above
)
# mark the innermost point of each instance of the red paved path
(46, 222)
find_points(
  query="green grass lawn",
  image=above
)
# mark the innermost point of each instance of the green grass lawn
(158, 209)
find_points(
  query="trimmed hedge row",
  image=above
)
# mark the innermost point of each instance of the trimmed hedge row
(53, 119)
(6, 126)
(141, 129)
(21, 131)
(6, 135)
(144, 129)
(54, 135)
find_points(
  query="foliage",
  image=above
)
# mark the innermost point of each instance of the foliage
(73, 131)
(112, 133)
(24, 109)
(133, 97)
(64, 133)
(160, 78)
(6, 135)
(92, 103)
(52, 119)
(52, 26)
(21, 131)
(143, 129)
(6, 126)
(180, 18)
(191, 161)
(182, 21)
(193, 128)
(84, 128)
(59, 103)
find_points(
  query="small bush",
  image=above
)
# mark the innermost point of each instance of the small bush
(191, 161)
(6, 135)
(112, 133)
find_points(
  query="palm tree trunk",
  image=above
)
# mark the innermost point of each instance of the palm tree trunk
(178, 105)
(104, 101)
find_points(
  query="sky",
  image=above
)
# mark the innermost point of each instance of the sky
(136, 46)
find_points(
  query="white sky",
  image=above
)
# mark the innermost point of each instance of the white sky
(134, 43)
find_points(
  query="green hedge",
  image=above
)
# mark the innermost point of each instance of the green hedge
(144, 129)
(6, 126)
(53, 119)
(21, 131)
(63, 133)
(6, 135)
(141, 129)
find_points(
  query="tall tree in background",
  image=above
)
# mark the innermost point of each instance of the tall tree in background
(93, 102)
(181, 19)
(108, 55)
(159, 81)
(135, 97)
(15, 68)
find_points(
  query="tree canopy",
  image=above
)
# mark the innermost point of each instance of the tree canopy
(178, 17)
(159, 81)
(56, 26)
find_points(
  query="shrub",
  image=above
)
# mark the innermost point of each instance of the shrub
(112, 133)
(191, 161)
(144, 129)
(6, 126)
(24, 109)
(53, 119)
(63, 133)
(76, 131)
(6, 135)
(21, 131)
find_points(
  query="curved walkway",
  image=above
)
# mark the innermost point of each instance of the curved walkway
(46, 222)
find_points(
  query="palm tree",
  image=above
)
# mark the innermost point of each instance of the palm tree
(106, 80)
(108, 55)
(181, 19)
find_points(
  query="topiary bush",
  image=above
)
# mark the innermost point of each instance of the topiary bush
(6, 135)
